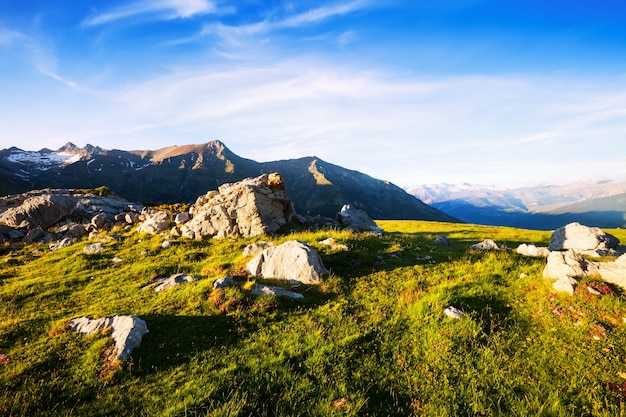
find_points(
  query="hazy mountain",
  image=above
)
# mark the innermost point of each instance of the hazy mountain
(594, 203)
(182, 173)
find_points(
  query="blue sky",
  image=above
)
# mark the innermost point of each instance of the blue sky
(492, 92)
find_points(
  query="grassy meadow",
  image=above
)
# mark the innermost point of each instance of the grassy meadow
(371, 340)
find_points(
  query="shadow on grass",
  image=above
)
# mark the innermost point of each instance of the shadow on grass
(173, 340)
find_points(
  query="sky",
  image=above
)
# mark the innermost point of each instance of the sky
(503, 92)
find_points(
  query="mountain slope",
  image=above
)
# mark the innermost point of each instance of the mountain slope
(182, 173)
(595, 203)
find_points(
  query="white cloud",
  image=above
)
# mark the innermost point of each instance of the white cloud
(156, 9)
(232, 34)
(9, 37)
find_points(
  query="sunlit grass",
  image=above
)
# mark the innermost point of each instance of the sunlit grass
(372, 339)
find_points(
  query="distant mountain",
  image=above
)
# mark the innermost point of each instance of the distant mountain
(182, 173)
(594, 203)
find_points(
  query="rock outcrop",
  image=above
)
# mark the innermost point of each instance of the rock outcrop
(564, 267)
(583, 239)
(127, 331)
(43, 209)
(530, 249)
(357, 219)
(293, 261)
(251, 207)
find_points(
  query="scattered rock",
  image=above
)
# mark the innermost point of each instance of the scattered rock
(127, 331)
(61, 243)
(155, 221)
(251, 207)
(582, 239)
(73, 230)
(34, 235)
(453, 312)
(333, 244)
(442, 240)
(181, 218)
(166, 244)
(533, 250)
(486, 244)
(99, 221)
(93, 248)
(593, 291)
(117, 260)
(293, 261)
(260, 289)
(174, 281)
(357, 220)
(224, 282)
(254, 249)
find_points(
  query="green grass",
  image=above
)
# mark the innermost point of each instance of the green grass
(371, 340)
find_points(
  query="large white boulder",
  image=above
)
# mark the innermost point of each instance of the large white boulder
(293, 261)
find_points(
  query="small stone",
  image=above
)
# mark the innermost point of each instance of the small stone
(117, 259)
(166, 244)
(593, 291)
(453, 312)
(93, 248)
(224, 282)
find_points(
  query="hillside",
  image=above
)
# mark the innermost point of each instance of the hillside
(371, 339)
(595, 203)
(182, 173)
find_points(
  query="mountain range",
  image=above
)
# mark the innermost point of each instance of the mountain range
(182, 173)
(545, 207)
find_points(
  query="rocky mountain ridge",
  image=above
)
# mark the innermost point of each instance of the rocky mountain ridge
(598, 203)
(182, 173)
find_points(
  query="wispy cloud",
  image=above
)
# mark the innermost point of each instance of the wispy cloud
(153, 9)
(9, 37)
(232, 33)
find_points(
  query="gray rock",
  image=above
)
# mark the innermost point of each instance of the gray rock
(99, 220)
(442, 240)
(131, 217)
(486, 244)
(293, 261)
(93, 248)
(260, 289)
(127, 331)
(357, 219)
(73, 230)
(251, 207)
(332, 243)
(581, 238)
(15, 234)
(453, 312)
(533, 250)
(67, 241)
(254, 249)
(224, 282)
(155, 222)
(181, 218)
(174, 281)
(34, 235)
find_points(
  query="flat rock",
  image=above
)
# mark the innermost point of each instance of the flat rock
(260, 289)
(174, 281)
(127, 331)
(533, 250)
(486, 244)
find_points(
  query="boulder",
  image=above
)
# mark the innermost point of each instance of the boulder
(155, 222)
(293, 261)
(251, 207)
(174, 281)
(254, 249)
(442, 240)
(582, 238)
(181, 218)
(486, 244)
(99, 221)
(73, 230)
(34, 235)
(31, 210)
(93, 248)
(127, 331)
(224, 282)
(46, 208)
(357, 219)
(67, 241)
(613, 272)
(533, 250)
